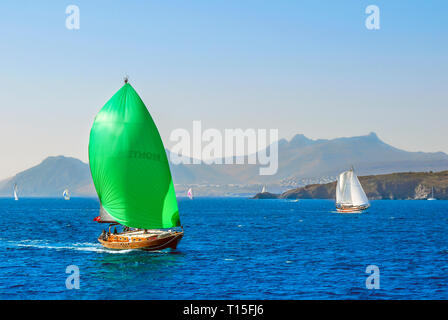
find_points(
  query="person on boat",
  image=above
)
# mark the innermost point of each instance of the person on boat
(103, 235)
(115, 230)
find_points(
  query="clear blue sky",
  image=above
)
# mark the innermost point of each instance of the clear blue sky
(301, 66)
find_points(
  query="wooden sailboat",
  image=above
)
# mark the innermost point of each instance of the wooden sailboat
(132, 177)
(350, 196)
(148, 240)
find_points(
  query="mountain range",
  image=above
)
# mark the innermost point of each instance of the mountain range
(300, 159)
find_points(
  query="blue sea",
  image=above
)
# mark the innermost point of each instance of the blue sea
(232, 249)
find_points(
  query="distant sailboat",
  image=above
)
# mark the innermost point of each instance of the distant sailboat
(66, 194)
(264, 190)
(132, 177)
(350, 196)
(190, 194)
(16, 197)
(432, 196)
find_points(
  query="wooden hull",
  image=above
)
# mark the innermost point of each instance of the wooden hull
(149, 243)
(354, 209)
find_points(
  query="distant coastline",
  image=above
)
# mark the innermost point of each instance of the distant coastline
(394, 186)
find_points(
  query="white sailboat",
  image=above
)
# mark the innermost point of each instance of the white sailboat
(190, 194)
(16, 197)
(66, 194)
(350, 196)
(432, 195)
(264, 190)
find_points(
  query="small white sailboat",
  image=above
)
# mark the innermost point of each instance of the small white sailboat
(264, 190)
(432, 195)
(66, 194)
(350, 196)
(16, 197)
(190, 194)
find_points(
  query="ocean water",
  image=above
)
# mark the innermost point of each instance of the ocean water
(232, 249)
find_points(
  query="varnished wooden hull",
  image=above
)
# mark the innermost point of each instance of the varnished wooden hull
(119, 242)
(352, 209)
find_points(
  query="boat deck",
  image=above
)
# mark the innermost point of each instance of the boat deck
(142, 233)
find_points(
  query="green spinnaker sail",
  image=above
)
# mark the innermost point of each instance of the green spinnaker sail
(129, 165)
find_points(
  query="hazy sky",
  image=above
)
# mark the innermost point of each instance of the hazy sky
(307, 67)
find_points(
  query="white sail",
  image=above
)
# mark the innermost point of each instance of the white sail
(340, 187)
(432, 195)
(66, 194)
(105, 216)
(190, 194)
(359, 197)
(16, 197)
(264, 189)
(349, 190)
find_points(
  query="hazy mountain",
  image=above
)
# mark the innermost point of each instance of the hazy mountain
(305, 158)
(302, 158)
(298, 158)
(50, 178)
